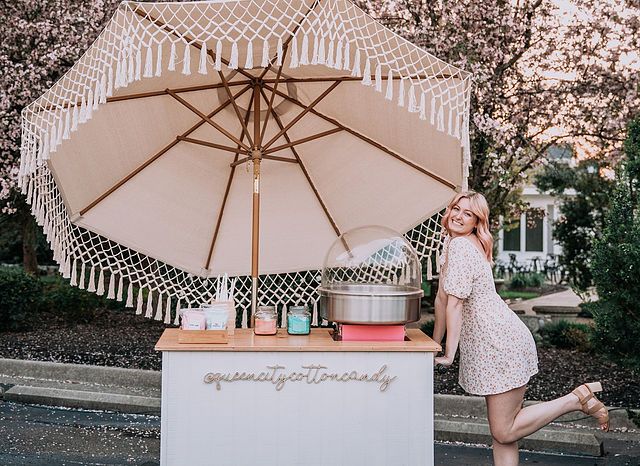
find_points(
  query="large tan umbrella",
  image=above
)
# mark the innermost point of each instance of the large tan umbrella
(239, 137)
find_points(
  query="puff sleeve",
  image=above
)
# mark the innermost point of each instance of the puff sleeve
(458, 279)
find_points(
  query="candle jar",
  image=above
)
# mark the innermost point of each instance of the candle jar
(265, 321)
(298, 320)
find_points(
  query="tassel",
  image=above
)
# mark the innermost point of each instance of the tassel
(314, 57)
(456, 132)
(83, 111)
(279, 52)
(74, 118)
(103, 89)
(66, 273)
(149, 311)
(130, 69)
(429, 272)
(96, 95)
(52, 142)
(118, 73)
(176, 321)
(283, 318)
(123, 71)
(186, 63)
(202, 68)
(45, 151)
(366, 78)
(337, 64)
(450, 123)
(167, 311)
(314, 316)
(138, 64)
(244, 318)
(159, 61)
(89, 112)
(265, 54)
(321, 57)
(120, 291)
(74, 273)
(159, 309)
(379, 78)
(109, 81)
(304, 53)
(172, 57)
(233, 62)
(129, 302)
(441, 118)
(389, 93)
(67, 125)
(423, 111)
(294, 57)
(59, 131)
(347, 56)
(139, 303)
(248, 64)
(412, 99)
(112, 287)
(433, 111)
(218, 63)
(356, 66)
(329, 60)
(92, 279)
(148, 63)
(82, 279)
(100, 290)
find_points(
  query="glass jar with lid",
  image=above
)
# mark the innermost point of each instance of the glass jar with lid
(265, 322)
(298, 320)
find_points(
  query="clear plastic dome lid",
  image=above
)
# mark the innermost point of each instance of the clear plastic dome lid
(371, 255)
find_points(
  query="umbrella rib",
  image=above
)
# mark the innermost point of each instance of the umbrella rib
(179, 90)
(305, 172)
(157, 155)
(209, 120)
(303, 140)
(306, 110)
(208, 144)
(368, 140)
(273, 95)
(226, 194)
(279, 159)
(235, 107)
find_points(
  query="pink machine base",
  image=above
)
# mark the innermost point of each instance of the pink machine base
(372, 332)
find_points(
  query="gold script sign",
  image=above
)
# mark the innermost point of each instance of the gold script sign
(311, 374)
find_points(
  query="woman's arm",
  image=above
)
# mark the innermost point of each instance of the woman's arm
(454, 324)
(439, 308)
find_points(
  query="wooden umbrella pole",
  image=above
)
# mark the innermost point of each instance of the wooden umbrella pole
(256, 156)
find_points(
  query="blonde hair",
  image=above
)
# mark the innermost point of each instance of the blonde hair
(480, 209)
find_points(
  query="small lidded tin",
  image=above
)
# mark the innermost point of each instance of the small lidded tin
(298, 320)
(266, 319)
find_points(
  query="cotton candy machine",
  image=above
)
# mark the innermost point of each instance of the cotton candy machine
(371, 276)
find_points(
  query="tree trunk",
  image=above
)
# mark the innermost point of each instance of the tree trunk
(29, 258)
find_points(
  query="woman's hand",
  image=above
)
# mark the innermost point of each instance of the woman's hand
(444, 361)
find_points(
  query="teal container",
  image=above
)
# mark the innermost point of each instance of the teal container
(298, 321)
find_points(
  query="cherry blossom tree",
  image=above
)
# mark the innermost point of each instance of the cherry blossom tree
(546, 72)
(41, 39)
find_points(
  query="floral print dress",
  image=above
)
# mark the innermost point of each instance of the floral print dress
(497, 350)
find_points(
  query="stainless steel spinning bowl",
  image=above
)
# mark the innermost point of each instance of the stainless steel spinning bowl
(370, 304)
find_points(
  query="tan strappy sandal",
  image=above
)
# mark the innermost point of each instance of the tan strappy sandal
(585, 393)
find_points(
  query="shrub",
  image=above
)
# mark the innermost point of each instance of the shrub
(526, 280)
(568, 335)
(427, 327)
(19, 298)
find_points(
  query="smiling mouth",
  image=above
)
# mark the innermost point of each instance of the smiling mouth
(456, 223)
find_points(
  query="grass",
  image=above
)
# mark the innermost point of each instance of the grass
(512, 294)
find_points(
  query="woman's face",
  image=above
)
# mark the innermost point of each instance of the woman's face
(462, 221)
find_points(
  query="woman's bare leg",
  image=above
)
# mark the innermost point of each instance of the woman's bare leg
(509, 422)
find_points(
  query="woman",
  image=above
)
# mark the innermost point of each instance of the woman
(497, 351)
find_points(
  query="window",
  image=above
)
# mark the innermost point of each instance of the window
(534, 234)
(512, 239)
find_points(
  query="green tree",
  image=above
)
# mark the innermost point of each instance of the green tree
(616, 262)
(585, 191)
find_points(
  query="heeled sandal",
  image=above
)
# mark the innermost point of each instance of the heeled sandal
(585, 393)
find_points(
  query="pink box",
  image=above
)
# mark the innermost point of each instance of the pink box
(372, 333)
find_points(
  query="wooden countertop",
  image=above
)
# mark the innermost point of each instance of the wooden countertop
(319, 340)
